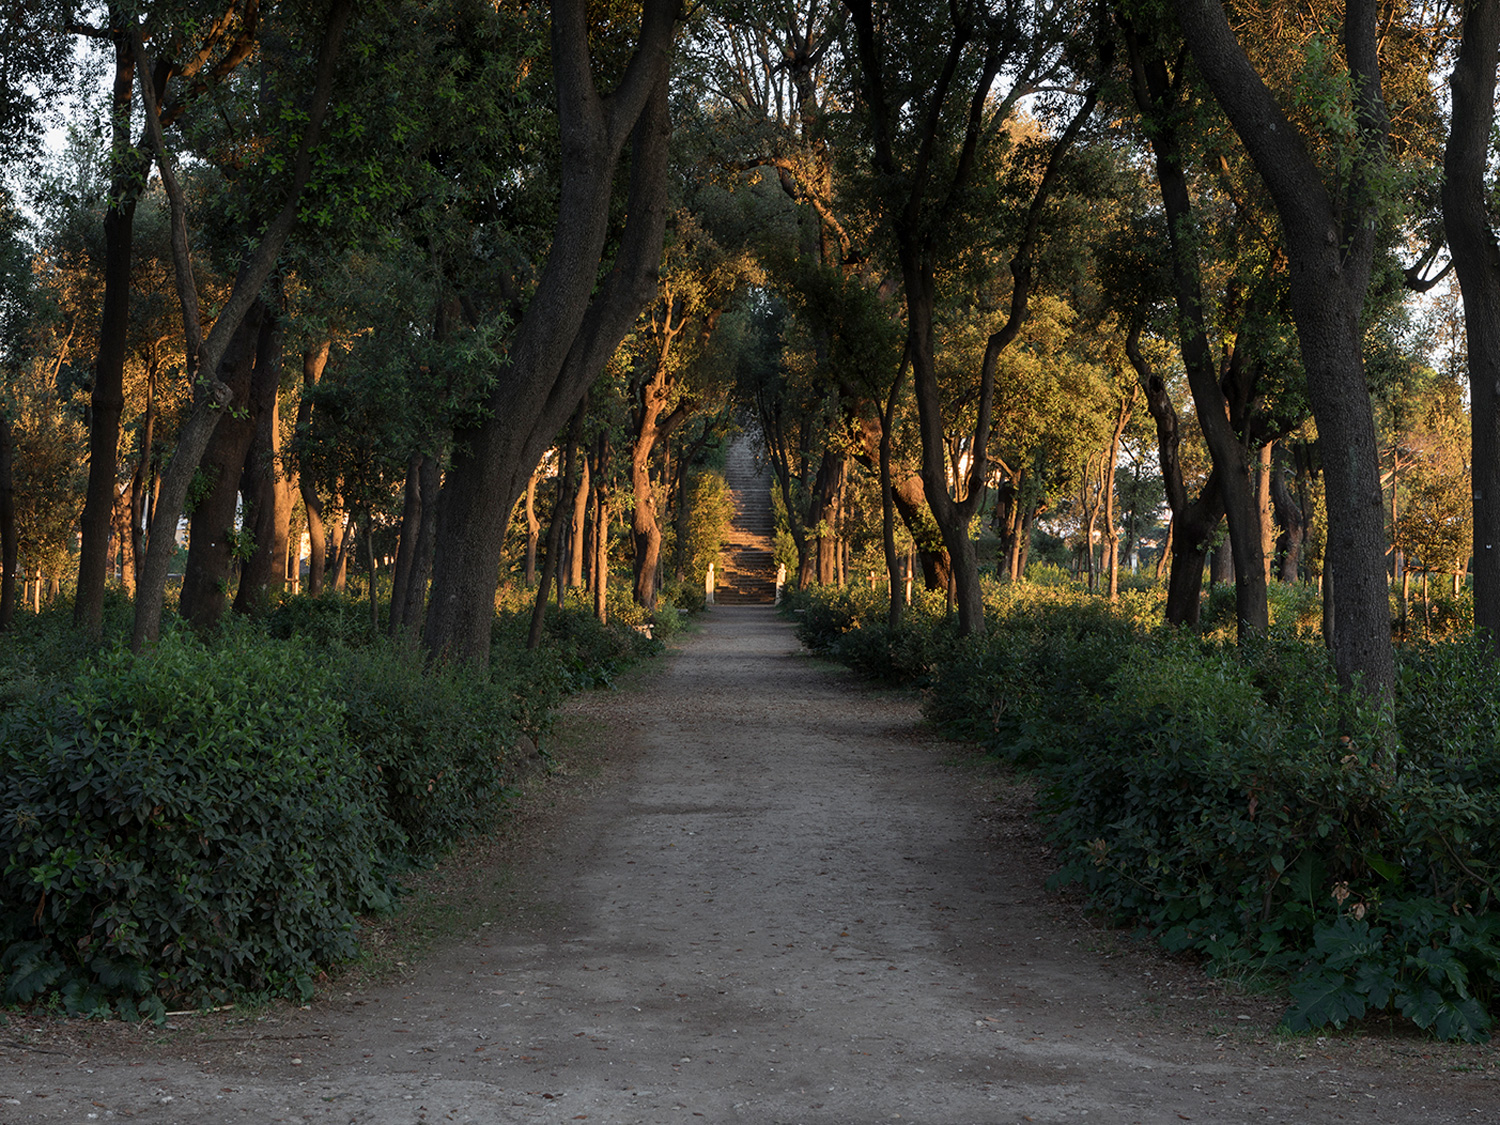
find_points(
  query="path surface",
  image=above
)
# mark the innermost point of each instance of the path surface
(778, 906)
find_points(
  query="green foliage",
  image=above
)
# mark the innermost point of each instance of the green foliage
(1229, 801)
(443, 748)
(207, 821)
(184, 826)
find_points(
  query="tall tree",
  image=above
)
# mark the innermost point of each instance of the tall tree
(1476, 259)
(1330, 229)
(205, 351)
(935, 125)
(573, 322)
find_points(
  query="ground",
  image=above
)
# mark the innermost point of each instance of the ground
(753, 891)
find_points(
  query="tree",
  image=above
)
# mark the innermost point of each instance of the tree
(573, 322)
(1476, 259)
(204, 352)
(1330, 229)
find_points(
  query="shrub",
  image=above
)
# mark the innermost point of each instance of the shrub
(443, 744)
(178, 827)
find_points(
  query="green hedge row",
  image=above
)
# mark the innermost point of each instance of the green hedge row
(1230, 801)
(210, 820)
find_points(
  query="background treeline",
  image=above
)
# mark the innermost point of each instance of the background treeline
(469, 298)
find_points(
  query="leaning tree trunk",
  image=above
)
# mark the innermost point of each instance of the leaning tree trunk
(205, 352)
(1156, 96)
(211, 541)
(574, 321)
(1330, 238)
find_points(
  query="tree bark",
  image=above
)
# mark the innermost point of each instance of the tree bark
(897, 602)
(1153, 93)
(533, 527)
(1330, 243)
(1289, 515)
(406, 542)
(578, 525)
(140, 481)
(601, 530)
(7, 525)
(1476, 259)
(267, 495)
(128, 169)
(574, 321)
(314, 360)
(211, 554)
(555, 530)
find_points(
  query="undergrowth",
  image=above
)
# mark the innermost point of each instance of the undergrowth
(1233, 802)
(209, 820)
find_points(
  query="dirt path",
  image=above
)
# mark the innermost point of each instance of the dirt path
(778, 905)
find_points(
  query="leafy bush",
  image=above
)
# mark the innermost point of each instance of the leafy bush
(183, 826)
(444, 744)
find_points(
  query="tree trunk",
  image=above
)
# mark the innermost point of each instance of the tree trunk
(140, 481)
(578, 527)
(601, 530)
(1153, 92)
(7, 525)
(555, 530)
(267, 496)
(406, 544)
(1330, 243)
(314, 360)
(128, 169)
(340, 541)
(1476, 258)
(533, 526)
(888, 503)
(429, 478)
(211, 543)
(573, 322)
(1291, 518)
(816, 563)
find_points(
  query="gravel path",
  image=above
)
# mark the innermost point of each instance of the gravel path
(778, 905)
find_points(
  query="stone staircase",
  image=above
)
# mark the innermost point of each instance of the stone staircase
(747, 566)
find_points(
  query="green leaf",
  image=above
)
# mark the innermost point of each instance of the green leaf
(1321, 997)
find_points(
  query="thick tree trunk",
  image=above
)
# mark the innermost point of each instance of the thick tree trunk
(1476, 258)
(573, 322)
(7, 525)
(267, 495)
(211, 556)
(128, 168)
(1330, 243)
